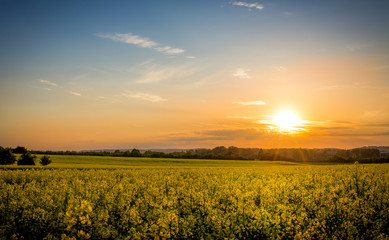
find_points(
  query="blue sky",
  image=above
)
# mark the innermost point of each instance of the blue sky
(178, 68)
(65, 32)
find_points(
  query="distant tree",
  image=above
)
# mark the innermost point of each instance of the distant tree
(260, 154)
(157, 155)
(26, 159)
(126, 154)
(233, 153)
(135, 153)
(20, 150)
(45, 160)
(147, 153)
(188, 154)
(219, 151)
(6, 156)
(368, 153)
(337, 158)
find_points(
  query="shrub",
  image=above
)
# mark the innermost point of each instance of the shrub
(27, 159)
(45, 160)
(6, 156)
(135, 153)
(20, 150)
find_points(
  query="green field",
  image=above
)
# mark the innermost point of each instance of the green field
(74, 161)
(82, 197)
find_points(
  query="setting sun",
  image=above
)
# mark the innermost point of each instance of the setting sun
(288, 122)
(250, 79)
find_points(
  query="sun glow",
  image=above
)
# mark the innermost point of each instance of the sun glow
(287, 122)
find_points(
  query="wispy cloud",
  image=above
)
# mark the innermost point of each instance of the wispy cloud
(249, 134)
(356, 134)
(344, 86)
(140, 42)
(191, 57)
(329, 87)
(143, 96)
(47, 89)
(347, 128)
(249, 5)
(155, 73)
(219, 134)
(47, 82)
(214, 78)
(251, 103)
(129, 38)
(353, 47)
(241, 73)
(169, 50)
(240, 117)
(378, 68)
(279, 68)
(108, 100)
(75, 93)
(289, 14)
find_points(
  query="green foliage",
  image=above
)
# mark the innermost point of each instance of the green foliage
(283, 202)
(337, 158)
(364, 155)
(135, 153)
(20, 150)
(45, 160)
(27, 159)
(6, 156)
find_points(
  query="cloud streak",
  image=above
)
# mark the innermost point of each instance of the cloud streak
(378, 68)
(279, 69)
(157, 73)
(249, 5)
(240, 117)
(130, 39)
(251, 103)
(355, 47)
(241, 73)
(141, 42)
(48, 82)
(75, 93)
(169, 50)
(219, 134)
(143, 96)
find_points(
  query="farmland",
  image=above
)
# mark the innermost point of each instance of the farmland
(121, 198)
(71, 161)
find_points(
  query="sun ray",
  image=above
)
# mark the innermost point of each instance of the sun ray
(287, 122)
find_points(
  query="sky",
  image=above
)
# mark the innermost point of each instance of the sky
(82, 75)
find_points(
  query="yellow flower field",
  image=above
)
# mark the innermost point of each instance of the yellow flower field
(280, 202)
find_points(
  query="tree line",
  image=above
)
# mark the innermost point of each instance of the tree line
(362, 155)
(8, 157)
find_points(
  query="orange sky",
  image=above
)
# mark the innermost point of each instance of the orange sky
(194, 80)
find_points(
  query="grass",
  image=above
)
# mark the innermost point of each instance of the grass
(76, 161)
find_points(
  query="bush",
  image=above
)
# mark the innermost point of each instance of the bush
(45, 160)
(6, 156)
(20, 150)
(135, 153)
(337, 158)
(27, 159)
